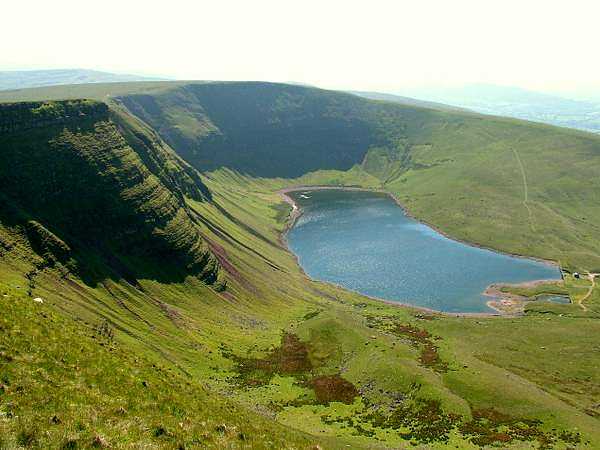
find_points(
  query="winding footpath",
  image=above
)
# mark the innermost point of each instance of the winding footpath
(525, 189)
(592, 277)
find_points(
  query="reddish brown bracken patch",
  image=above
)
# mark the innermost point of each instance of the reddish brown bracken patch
(291, 357)
(421, 339)
(333, 388)
(416, 334)
(221, 255)
(429, 355)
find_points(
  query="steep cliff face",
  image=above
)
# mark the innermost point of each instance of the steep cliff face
(96, 191)
(263, 129)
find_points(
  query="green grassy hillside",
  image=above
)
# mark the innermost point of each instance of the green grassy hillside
(122, 241)
(64, 385)
(258, 128)
(316, 358)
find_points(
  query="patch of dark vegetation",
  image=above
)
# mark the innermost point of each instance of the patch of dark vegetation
(421, 421)
(311, 314)
(333, 388)
(104, 330)
(349, 422)
(592, 411)
(159, 431)
(419, 338)
(27, 437)
(430, 358)
(290, 358)
(421, 316)
(303, 400)
(491, 427)
(70, 444)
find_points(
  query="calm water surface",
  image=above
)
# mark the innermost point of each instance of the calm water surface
(365, 242)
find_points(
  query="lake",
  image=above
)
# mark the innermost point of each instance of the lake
(365, 242)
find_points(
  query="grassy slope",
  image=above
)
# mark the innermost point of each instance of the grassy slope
(108, 167)
(226, 341)
(191, 328)
(59, 177)
(67, 386)
(520, 187)
(263, 129)
(511, 371)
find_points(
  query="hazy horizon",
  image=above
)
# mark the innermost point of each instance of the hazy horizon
(380, 47)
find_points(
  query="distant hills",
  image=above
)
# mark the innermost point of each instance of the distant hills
(381, 96)
(21, 79)
(518, 103)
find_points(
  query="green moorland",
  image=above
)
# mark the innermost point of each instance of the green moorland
(174, 316)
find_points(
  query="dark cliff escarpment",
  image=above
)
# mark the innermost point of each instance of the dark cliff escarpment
(98, 192)
(263, 129)
(277, 130)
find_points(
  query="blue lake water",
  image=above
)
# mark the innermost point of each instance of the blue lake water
(365, 242)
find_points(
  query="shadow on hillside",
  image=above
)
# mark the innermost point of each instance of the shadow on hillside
(74, 194)
(262, 129)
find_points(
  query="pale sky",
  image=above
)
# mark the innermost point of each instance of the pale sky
(367, 45)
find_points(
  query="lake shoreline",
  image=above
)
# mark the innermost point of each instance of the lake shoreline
(496, 295)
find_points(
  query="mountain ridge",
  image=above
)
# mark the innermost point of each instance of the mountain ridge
(23, 79)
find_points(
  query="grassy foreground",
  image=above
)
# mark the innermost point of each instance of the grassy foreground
(67, 386)
(318, 359)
